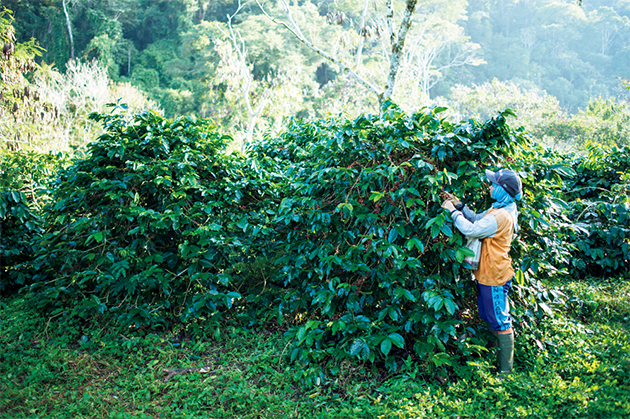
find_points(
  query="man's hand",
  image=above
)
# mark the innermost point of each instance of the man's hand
(450, 197)
(448, 204)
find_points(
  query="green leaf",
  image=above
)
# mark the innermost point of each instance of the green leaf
(300, 261)
(397, 340)
(520, 278)
(546, 308)
(393, 313)
(435, 230)
(409, 295)
(312, 324)
(462, 252)
(224, 279)
(393, 235)
(430, 222)
(356, 347)
(243, 223)
(450, 306)
(386, 346)
(339, 325)
(300, 334)
(376, 196)
(439, 303)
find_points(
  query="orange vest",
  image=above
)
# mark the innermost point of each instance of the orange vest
(495, 263)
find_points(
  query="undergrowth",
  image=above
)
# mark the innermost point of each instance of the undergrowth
(573, 365)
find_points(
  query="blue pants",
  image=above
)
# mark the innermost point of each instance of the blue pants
(493, 306)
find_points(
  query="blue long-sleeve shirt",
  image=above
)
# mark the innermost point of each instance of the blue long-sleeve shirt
(479, 226)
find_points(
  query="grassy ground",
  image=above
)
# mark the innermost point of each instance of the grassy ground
(574, 365)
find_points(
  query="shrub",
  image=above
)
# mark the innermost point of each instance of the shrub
(147, 226)
(586, 203)
(369, 259)
(24, 178)
(600, 206)
(334, 227)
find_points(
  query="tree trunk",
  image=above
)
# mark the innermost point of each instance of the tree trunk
(361, 34)
(253, 114)
(250, 132)
(397, 49)
(69, 25)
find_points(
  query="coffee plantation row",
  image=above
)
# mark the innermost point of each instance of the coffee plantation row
(332, 230)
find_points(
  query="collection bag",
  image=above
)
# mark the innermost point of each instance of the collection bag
(475, 246)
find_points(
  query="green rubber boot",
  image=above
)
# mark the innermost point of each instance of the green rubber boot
(505, 354)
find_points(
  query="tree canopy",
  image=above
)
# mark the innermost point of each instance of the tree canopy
(176, 51)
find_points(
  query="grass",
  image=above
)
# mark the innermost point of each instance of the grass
(575, 364)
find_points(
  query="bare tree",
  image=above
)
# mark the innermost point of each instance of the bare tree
(242, 69)
(69, 26)
(395, 50)
(528, 38)
(447, 41)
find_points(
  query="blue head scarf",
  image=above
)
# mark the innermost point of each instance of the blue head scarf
(502, 197)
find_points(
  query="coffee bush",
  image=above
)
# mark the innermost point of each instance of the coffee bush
(332, 230)
(148, 227)
(373, 266)
(24, 183)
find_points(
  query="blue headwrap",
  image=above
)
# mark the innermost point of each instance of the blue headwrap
(502, 197)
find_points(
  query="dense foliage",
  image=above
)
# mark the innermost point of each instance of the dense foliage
(177, 51)
(370, 258)
(561, 47)
(19, 101)
(335, 224)
(586, 201)
(24, 190)
(42, 109)
(147, 225)
(572, 365)
(333, 229)
(599, 196)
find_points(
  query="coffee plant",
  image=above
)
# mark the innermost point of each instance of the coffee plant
(600, 206)
(149, 227)
(24, 182)
(586, 202)
(332, 230)
(367, 255)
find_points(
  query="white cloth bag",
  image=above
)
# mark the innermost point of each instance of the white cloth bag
(474, 245)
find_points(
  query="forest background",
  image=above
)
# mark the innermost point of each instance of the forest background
(559, 64)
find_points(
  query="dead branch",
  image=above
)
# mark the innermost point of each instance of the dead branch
(361, 34)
